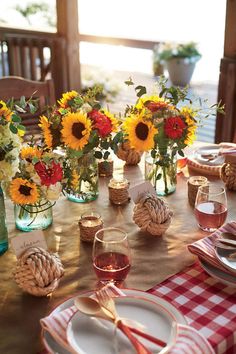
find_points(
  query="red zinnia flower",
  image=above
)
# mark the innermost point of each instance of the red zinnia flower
(49, 175)
(155, 106)
(101, 122)
(174, 127)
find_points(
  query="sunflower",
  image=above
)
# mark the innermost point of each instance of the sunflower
(76, 130)
(47, 135)
(29, 152)
(23, 192)
(66, 99)
(4, 111)
(140, 132)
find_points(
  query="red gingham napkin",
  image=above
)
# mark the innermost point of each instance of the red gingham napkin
(205, 248)
(208, 305)
(189, 341)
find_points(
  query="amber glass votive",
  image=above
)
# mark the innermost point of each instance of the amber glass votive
(119, 190)
(194, 183)
(89, 224)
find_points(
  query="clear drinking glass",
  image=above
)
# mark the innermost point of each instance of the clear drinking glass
(111, 255)
(210, 207)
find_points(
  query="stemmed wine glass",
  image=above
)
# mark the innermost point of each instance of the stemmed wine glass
(210, 207)
(111, 255)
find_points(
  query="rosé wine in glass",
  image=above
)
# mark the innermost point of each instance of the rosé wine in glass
(210, 207)
(111, 255)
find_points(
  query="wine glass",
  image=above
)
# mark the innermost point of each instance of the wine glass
(111, 255)
(210, 207)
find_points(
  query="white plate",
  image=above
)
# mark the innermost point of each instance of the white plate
(223, 257)
(218, 274)
(53, 347)
(158, 321)
(209, 150)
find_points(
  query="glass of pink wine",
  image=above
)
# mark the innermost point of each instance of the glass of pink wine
(111, 255)
(210, 207)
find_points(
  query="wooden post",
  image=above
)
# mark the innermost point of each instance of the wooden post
(67, 27)
(226, 124)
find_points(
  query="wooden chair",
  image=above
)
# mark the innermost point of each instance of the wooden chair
(15, 87)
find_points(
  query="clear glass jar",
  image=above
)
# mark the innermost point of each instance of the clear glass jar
(86, 188)
(33, 217)
(3, 228)
(161, 171)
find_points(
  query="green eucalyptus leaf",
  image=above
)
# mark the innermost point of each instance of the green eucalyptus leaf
(106, 155)
(141, 90)
(15, 118)
(98, 154)
(13, 129)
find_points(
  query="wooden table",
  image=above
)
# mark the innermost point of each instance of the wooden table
(154, 259)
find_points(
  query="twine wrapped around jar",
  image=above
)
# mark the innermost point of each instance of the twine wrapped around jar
(38, 272)
(105, 168)
(194, 183)
(228, 175)
(152, 214)
(127, 154)
(119, 191)
(89, 224)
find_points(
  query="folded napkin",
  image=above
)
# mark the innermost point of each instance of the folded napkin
(188, 339)
(205, 248)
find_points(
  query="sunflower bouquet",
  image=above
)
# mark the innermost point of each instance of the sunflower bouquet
(84, 131)
(162, 125)
(36, 186)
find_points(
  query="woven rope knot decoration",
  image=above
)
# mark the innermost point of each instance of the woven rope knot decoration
(152, 214)
(38, 272)
(228, 175)
(127, 154)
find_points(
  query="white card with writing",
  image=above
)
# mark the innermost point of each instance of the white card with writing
(143, 188)
(23, 241)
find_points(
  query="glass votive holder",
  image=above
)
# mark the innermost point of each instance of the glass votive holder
(194, 183)
(119, 191)
(89, 224)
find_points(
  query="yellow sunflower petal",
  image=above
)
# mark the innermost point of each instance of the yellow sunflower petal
(23, 192)
(66, 97)
(47, 135)
(140, 132)
(29, 152)
(76, 130)
(114, 121)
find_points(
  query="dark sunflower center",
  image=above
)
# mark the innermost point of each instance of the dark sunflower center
(77, 129)
(2, 154)
(141, 131)
(56, 136)
(1, 105)
(25, 190)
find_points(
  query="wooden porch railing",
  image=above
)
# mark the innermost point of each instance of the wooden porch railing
(33, 55)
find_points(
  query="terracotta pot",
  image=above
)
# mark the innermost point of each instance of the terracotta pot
(180, 71)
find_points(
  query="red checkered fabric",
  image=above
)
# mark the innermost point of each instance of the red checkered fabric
(208, 305)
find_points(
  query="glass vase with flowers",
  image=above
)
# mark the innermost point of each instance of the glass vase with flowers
(11, 131)
(163, 124)
(35, 188)
(85, 132)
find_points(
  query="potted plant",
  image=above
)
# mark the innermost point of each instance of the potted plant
(180, 60)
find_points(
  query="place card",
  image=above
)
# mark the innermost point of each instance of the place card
(137, 191)
(24, 241)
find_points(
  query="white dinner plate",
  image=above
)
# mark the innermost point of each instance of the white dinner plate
(223, 257)
(201, 153)
(218, 274)
(54, 348)
(158, 322)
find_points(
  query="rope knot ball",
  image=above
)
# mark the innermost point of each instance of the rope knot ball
(152, 214)
(38, 272)
(228, 175)
(127, 154)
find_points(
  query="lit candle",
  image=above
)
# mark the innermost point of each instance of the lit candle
(89, 224)
(194, 183)
(118, 190)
